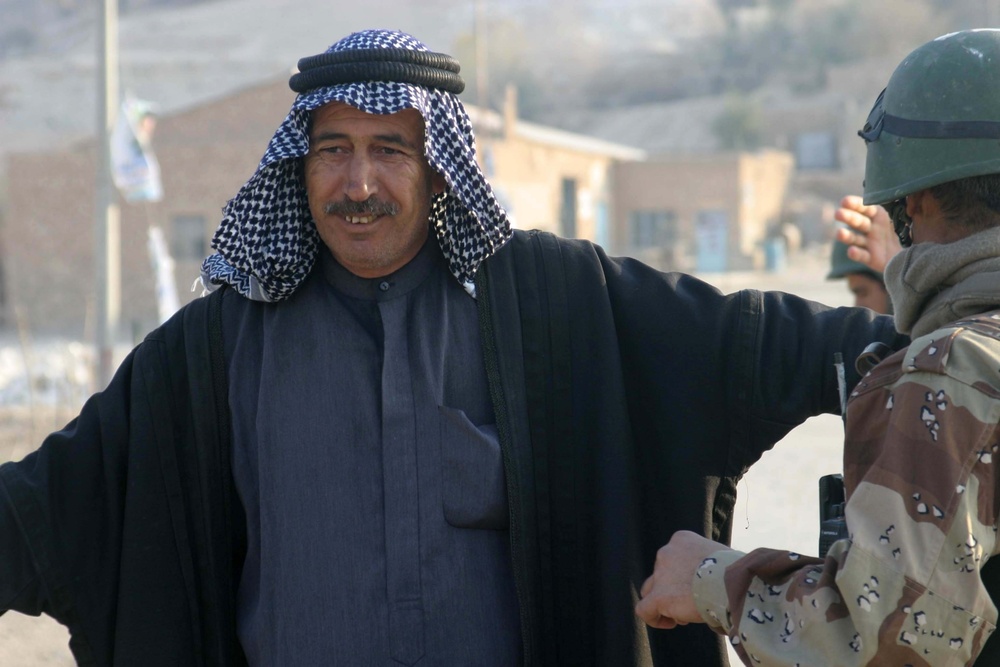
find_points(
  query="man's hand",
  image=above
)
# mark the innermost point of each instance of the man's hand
(667, 598)
(871, 236)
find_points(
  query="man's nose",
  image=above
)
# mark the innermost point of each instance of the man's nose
(361, 182)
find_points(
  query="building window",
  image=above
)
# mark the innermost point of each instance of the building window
(652, 229)
(187, 238)
(816, 150)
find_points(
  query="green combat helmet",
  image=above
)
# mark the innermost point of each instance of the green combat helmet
(938, 120)
(842, 266)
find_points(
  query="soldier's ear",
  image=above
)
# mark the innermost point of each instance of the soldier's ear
(916, 203)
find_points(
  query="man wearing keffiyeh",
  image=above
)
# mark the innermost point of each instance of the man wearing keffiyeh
(398, 431)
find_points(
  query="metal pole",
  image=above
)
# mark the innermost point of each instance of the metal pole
(108, 218)
(482, 59)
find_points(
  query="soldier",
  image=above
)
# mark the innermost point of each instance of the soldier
(867, 285)
(907, 586)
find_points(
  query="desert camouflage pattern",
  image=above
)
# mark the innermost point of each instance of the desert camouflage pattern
(920, 474)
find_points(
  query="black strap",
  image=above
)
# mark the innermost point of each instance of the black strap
(391, 72)
(420, 68)
(934, 129)
(423, 58)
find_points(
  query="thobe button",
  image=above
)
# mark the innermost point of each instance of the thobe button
(384, 285)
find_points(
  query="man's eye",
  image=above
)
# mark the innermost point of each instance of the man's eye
(328, 149)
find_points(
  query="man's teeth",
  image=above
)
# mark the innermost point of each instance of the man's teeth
(359, 220)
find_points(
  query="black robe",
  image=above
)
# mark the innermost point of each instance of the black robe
(628, 403)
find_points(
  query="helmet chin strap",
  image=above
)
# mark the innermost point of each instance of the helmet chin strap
(901, 222)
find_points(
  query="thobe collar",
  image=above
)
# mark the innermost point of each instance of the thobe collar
(396, 284)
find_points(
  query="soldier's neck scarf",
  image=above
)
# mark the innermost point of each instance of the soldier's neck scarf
(267, 241)
(932, 284)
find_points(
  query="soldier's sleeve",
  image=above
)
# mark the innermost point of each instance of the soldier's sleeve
(922, 438)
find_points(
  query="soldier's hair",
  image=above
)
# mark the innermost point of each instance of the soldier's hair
(972, 202)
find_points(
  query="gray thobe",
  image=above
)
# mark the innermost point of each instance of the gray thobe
(367, 460)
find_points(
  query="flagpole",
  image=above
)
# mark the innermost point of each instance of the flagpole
(108, 215)
(482, 59)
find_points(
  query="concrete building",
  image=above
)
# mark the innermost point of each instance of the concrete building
(705, 213)
(818, 129)
(549, 179)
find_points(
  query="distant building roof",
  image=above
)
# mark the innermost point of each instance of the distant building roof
(576, 141)
(681, 127)
(486, 121)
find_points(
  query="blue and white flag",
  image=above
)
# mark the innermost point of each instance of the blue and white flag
(134, 168)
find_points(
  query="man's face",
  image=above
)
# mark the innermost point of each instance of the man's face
(868, 292)
(369, 186)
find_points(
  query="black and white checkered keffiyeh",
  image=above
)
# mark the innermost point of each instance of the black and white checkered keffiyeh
(267, 241)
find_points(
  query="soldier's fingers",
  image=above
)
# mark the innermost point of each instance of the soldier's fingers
(663, 623)
(859, 254)
(852, 238)
(854, 219)
(856, 203)
(647, 586)
(853, 202)
(647, 611)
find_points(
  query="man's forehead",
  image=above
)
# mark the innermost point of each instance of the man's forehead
(408, 122)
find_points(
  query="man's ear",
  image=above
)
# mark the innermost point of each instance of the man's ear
(438, 184)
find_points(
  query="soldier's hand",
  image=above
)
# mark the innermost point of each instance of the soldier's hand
(870, 234)
(667, 596)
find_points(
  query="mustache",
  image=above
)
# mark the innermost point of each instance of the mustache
(372, 206)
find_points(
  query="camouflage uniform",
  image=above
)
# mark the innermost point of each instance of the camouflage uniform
(922, 438)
